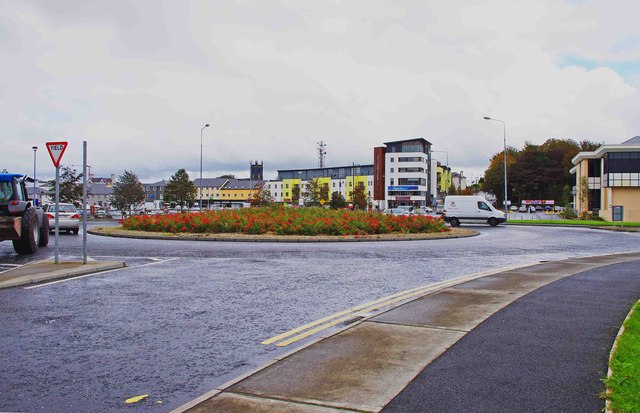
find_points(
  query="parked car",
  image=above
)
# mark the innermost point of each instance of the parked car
(420, 211)
(532, 209)
(513, 208)
(406, 208)
(68, 217)
(398, 211)
(523, 208)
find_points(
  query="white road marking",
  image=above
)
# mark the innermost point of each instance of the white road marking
(99, 273)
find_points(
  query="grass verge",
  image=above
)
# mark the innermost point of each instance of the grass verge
(623, 387)
(572, 222)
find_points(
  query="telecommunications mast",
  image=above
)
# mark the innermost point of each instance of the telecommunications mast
(321, 153)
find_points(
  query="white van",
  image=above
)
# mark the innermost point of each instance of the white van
(471, 209)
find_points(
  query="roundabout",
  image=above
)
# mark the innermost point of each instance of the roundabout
(120, 232)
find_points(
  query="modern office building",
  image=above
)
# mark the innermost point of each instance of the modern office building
(607, 181)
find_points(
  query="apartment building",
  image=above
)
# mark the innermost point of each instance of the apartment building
(405, 167)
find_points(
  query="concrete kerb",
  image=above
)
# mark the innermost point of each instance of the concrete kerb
(601, 227)
(46, 270)
(612, 352)
(465, 233)
(434, 288)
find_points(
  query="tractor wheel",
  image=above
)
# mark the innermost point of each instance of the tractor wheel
(30, 237)
(44, 231)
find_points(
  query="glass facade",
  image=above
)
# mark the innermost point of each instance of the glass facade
(621, 169)
(417, 145)
(334, 173)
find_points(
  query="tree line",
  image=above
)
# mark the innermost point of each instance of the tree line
(535, 171)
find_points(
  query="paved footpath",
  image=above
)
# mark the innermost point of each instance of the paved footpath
(546, 352)
(531, 339)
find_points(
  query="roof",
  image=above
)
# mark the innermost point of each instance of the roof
(633, 141)
(100, 189)
(241, 184)
(632, 145)
(210, 182)
(9, 177)
(417, 138)
(159, 183)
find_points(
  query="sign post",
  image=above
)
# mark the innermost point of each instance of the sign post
(56, 150)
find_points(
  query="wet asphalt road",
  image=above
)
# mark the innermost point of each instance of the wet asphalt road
(185, 317)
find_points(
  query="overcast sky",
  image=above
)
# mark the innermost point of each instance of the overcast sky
(139, 79)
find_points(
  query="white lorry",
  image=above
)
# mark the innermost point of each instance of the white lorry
(471, 209)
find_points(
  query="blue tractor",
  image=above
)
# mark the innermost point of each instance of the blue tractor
(20, 220)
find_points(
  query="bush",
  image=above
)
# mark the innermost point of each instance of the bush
(568, 214)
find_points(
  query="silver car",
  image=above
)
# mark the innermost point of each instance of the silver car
(68, 217)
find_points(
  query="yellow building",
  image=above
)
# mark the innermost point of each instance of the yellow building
(607, 181)
(236, 190)
(208, 190)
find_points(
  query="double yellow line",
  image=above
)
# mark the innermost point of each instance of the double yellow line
(322, 324)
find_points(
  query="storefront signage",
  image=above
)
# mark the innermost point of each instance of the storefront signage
(403, 188)
(538, 202)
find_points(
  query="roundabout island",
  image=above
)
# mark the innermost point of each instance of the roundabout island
(278, 224)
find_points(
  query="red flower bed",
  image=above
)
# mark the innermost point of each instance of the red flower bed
(286, 221)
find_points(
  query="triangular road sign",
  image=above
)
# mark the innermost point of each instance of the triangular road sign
(56, 150)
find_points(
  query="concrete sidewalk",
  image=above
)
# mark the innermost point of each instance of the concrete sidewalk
(47, 270)
(365, 367)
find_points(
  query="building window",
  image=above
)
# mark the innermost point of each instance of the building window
(391, 160)
(391, 170)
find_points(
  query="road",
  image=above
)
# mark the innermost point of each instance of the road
(186, 316)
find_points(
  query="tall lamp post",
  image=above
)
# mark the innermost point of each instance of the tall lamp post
(504, 135)
(35, 195)
(205, 126)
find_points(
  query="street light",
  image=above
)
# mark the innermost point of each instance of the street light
(504, 135)
(35, 149)
(205, 126)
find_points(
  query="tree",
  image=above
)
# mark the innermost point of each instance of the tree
(494, 175)
(360, 198)
(295, 193)
(315, 192)
(588, 146)
(127, 192)
(536, 171)
(70, 186)
(452, 189)
(180, 190)
(261, 196)
(337, 201)
(228, 176)
(583, 194)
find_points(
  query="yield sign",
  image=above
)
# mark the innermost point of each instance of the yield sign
(56, 150)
